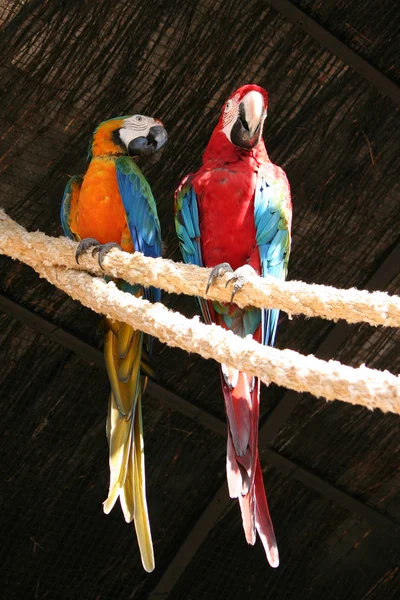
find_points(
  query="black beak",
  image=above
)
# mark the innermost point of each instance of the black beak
(144, 146)
(241, 134)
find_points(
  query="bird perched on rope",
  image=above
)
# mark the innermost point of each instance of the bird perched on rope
(234, 215)
(112, 205)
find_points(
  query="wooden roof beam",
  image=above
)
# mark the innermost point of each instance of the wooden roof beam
(338, 48)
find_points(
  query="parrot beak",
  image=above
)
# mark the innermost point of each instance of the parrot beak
(247, 130)
(154, 141)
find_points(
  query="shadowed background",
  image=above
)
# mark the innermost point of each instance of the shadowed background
(331, 469)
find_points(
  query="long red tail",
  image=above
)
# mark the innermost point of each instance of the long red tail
(245, 479)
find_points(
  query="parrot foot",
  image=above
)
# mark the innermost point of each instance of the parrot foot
(102, 250)
(84, 246)
(218, 271)
(239, 278)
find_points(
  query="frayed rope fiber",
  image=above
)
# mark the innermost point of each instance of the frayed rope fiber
(54, 259)
(294, 297)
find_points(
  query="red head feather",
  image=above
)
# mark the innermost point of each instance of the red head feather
(239, 129)
(235, 99)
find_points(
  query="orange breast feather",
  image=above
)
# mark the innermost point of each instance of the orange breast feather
(101, 214)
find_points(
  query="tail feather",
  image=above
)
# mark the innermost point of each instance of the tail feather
(126, 364)
(263, 520)
(129, 364)
(245, 480)
(247, 509)
(120, 434)
(146, 364)
(127, 494)
(141, 517)
(125, 334)
(107, 324)
(238, 411)
(125, 433)
(110, 356)
(234, 477)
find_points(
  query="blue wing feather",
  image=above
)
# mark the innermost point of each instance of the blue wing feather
(188, 232)
(273, 240)
(187, 224)
(141, 213)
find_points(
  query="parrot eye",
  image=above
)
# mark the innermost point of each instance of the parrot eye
(228, 105)
(139, 118)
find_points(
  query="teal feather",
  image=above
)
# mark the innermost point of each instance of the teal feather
(141, 213)
(273, 240)
(75, 181)
(188, 232)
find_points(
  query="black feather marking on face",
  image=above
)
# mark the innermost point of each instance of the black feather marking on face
(242, 116)
(240, 132)
(116, 138)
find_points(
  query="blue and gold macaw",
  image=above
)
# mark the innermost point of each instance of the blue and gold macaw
(112, 205)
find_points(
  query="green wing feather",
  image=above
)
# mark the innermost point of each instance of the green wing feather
(68, 206)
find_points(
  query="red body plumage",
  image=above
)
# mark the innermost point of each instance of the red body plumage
(225, 188)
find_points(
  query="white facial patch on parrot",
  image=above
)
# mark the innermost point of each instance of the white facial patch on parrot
(134, 127)
(254, 108)
(230, 114)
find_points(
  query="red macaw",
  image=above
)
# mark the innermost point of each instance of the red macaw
(112, 205)
(234, 215)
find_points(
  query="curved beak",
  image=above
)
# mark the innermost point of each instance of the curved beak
(154, 141)
(246, 131)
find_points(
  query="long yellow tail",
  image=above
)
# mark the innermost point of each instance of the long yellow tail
(123, 356)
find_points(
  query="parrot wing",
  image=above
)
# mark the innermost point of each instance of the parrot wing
(272, 216)
(187, 222)
(188, 232)
(141, 213)
(69, 206)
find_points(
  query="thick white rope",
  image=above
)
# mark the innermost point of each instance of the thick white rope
(294, 297)
(331, 380)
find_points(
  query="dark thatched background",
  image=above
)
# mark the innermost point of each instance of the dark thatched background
(331, 469)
